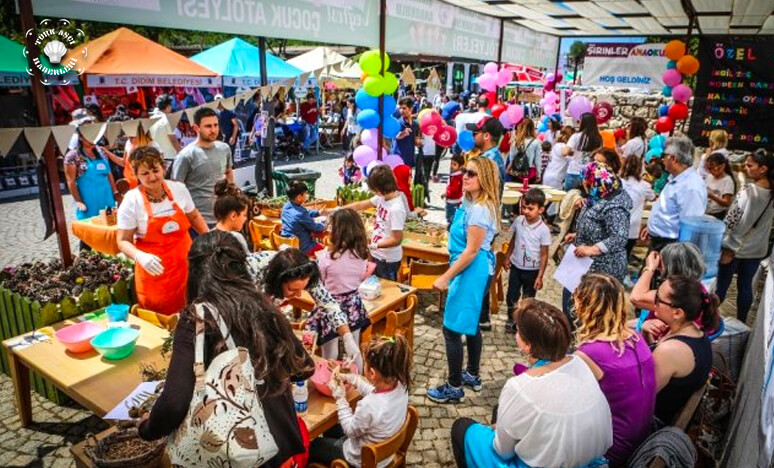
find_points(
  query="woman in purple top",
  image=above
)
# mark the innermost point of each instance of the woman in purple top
(619, 359)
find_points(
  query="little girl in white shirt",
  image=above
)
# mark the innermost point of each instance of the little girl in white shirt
(382, 411)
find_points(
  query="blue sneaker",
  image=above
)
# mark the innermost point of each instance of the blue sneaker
(446, 394)
(472, 381)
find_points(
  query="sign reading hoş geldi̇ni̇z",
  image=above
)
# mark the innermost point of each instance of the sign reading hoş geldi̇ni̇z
(735, 92)
(624, 65)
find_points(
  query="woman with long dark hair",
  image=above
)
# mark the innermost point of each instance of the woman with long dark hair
(219, 278)
(580, 147)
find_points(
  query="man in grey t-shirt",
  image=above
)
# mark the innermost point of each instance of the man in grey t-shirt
(203, 162)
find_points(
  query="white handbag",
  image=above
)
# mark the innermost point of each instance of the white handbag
(225, 425)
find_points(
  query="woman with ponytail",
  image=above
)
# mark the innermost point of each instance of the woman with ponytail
(231, 209)
(683, 356)
(748, 224)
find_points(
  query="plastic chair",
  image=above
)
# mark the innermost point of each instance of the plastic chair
(422, 275)
(277, 240)
(162, 321)
(281, 183)
(260, 234)
(394, 448)
(402, 321)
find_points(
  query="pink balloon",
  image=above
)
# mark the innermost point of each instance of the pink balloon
(515, 113)
(550, 78)
(549, 86)
(369, 138)
(558, 77)
(446, 136)
(550, 97)
(364, 155)
(490, 68)
(671, 77)
(549, 108)
(488, 82)
(430, 123)
(682, 93)
(578, 106)
(504, 77)
(393, 160)
(505, 119)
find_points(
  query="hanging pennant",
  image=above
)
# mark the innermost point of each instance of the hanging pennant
(305, 78)
(129, 127)
(146, 124)
(189, 113)
(174, 119)
(112, 132)
(317, 74)
(228, 103)
(37, 137)
(408, 76)
(266, 92)
(92, 132)
(212, 105)
(62, 135)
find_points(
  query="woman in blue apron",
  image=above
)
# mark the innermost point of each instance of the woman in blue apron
(88, 177)
(471, 264)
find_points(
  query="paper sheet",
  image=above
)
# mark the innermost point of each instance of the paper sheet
(136, 398)
(28, 340)
(572, 268)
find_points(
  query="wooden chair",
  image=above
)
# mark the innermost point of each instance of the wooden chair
(422, 275)
(682, 420)
(277, 240)
(402, 321)
(260, 234)
(162, 321)
(496, 290)
(394, 448)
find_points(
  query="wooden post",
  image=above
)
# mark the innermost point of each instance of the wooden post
(268, 153)
(40, 98)
(382, 33)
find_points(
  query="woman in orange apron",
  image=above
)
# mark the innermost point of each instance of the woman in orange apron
(153, 223)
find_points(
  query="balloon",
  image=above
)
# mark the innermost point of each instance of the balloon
(505, 143)
(678, 111)
(445, 137)
(681, 93)
(515, 112)
(542, 127)
(371, 166)
(369, 137)
(688, 65)
(664, 124)
(666, 91)
(391, 127)
(657, 142)
(389, 105)
(558, 77)
(579, 105)
(551, 97)
(551, 78)
(504, 77)
(490, 68)
(541, 136)
(487, 82)
(549, 86)
(674, 49)
(549, 109)
(603, 111)
(423, 112)
(663, 110)
(368, 119)
(671, 64)
(374, 85)
(430, 123)
(364, 155)
(390, 83)
(491, 97)
(653, 153)
(393, 160)
(608, 139)
(466, 140)
(505, 120)
(371, 64)
(364, 101)
(670, 77)
(620, 134)
(498, 109)
(363, 77)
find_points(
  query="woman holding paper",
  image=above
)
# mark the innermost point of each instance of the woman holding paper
(602, 229)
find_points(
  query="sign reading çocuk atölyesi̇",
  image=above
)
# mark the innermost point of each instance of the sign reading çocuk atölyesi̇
(624, 65)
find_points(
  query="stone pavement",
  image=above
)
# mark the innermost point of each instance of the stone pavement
(46, 443)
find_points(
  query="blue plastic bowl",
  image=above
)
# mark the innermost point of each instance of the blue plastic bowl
(115, 343)
(117, 312)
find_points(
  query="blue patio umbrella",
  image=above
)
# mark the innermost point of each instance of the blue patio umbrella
(238, 62)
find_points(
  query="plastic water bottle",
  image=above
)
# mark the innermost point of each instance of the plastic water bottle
(300, 397)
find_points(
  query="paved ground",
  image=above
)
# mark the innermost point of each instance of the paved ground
(46, 443)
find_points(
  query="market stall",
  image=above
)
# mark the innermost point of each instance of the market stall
(329, 66)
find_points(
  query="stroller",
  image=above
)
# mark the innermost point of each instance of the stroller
(289, 137)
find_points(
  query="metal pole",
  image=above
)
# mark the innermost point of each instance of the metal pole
(382, 33)
(268, 150)
(500, 44)
(44, 118)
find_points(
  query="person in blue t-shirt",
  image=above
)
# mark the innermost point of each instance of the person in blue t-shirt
(408, 138)
(451, 109)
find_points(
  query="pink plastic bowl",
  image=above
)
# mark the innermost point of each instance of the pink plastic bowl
(322, 375)
(77, 338)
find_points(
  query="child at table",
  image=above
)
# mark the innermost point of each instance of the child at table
(382, 411)
(343, 266)
(297, 221)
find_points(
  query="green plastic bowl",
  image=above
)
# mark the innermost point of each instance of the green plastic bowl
(115, 343)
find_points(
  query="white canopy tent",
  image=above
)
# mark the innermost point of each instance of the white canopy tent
(331, 66)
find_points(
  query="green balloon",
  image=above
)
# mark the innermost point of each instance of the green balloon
(370, 63)
(374, 86)
(390, 83)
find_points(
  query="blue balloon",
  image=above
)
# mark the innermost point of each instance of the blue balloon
(671, 64)
(653, 153)
(365, 101)
(663, 110)
(657, 142)
(465, 140)
(390, 105)
(368, 118)
(542, 127)
(666, 91)
(544, 119)
(391, 127)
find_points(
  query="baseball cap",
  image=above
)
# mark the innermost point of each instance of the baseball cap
(487, 124)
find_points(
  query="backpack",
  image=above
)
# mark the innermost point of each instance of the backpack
(225, 424)
(520, 162)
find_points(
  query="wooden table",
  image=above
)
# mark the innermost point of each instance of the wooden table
(424, 251)
(552, 194)
(97, 384)
(96, 235)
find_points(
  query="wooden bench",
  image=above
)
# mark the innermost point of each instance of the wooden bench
(683, 419)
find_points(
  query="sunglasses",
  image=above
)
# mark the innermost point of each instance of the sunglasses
(658, 301)
(468, 172)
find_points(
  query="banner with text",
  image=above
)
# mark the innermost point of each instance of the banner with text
(624, 65)
(735, 92)
(352, 22)
(120, 81)
(526, 47)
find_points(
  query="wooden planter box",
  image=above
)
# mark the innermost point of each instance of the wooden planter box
(20, 315)
(426, 238)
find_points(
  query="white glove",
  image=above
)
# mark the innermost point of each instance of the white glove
(149, 262)
(337, 391)
(353, 351)
(349, 379)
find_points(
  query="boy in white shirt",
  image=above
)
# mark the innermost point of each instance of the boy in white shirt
(527, 253)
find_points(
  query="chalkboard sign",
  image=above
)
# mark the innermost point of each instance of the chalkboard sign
(735, 92)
